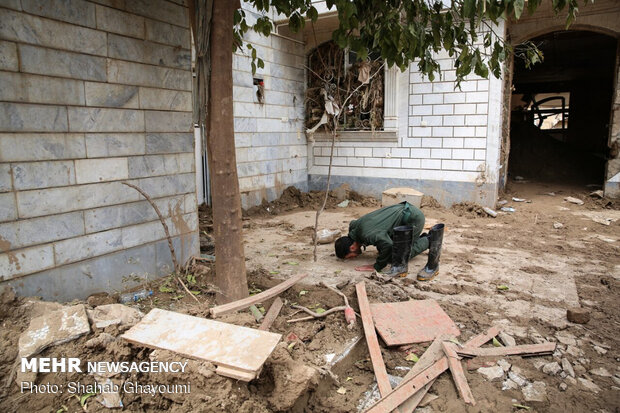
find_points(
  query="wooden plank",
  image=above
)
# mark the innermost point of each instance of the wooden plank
(371, 339)
(524, 350)
(458, 374)
(255, 299)
(435, 350)
(235, 374)
(272, 314)
(239, 348)
(414, 321)
(408, 387)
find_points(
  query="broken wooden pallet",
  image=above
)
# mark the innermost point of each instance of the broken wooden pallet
(414, 321)
(257, 298)
(272, 314)
(522, 350)
(239, 352)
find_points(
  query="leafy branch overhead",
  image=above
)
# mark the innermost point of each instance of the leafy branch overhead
(404, 31)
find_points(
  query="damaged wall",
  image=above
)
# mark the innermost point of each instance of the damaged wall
(92, 96)
(446, 142)
(271, 147)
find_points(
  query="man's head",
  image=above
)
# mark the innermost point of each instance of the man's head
(347, 248)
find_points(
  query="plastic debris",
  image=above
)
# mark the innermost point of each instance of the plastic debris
(508, 209)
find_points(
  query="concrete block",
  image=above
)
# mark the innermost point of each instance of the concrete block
(433, 99)
(18, 87)
(481, 132)
(371, 162)
(5, 178)
(442, 131)
(394, 196)
(462, 154)
(158, 187)
(26, 261)
(191, 203)
(105, 120)
(39, 147)
(71, 11)
(391, 163)
(452, 142)
(476, 120)
(420, 132)
(115, 216)
(129, 73)
(8, 209)
(454, 97)
(363, 152)
(412, 142)
(410, 163)
(101, 145)
(449, 164)
(157, 121)
(165, 33)
(454, 120)
(25, 28)
(50, 201)
(18, 117)
(477, 97)
(47, 174)
(415, 99)
(110, 95)
(400, 152)
(126, 48)
(162, 99)
(472, 165)
(100, 170)
(465, 108)
(430, 164)
(480, 154)
(185, 247)
(420, 110)
(142, 234)
(432, 142)
(420, 153)
(11, 4)
(116, 21)
(159, 10)
(156, 165)
(8, 56)
(476, 143)
(27, 232)
(464, 131)
(87, 246)
(355, 162)
(59, 63)
(159, 143)
(441, 153)
(443, 109)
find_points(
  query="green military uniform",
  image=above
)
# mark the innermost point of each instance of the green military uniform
(376, 228)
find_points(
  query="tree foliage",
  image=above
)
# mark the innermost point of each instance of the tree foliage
(404, 31)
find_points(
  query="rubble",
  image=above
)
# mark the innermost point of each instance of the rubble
(535, 392)
(507, 339)
(114, 314)
(552, 368)
(578, 315)
(492, 373)
(567, 367)
(53, 328)
(601, 371)
(563, 386)
(589, 384)
(504, 364)
(517, 378)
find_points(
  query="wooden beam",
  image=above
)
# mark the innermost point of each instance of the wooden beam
(255, 299)
(458, 374)
(272, 314)
(373, 343)
(524, 350)
(417, 393)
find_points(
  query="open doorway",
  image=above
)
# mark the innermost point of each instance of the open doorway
(561, 109)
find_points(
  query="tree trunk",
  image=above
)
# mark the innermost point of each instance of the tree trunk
(227, 226)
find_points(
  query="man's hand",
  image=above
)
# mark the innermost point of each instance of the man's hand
(368, 267)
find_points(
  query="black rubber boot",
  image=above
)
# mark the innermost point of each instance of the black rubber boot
(401, 248)
(434, 252)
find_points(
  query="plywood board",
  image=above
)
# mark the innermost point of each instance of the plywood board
(233, 347)
(414, 321)
(522, 350)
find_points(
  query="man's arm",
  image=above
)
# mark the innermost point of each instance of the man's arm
(384, 245)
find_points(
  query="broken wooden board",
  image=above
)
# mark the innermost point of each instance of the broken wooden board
(272, 314)
(523, 350)
(239, 352)
(458, 374)
(414, 321)
(257, 298)
(373, 343)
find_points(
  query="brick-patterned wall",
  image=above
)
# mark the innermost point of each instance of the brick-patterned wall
(447, 141)
(271, 145)
(93, 93)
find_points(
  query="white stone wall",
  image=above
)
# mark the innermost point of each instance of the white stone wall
(444, 135)
(93, 93)
(271, 145)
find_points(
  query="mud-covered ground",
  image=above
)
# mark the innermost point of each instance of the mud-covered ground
(540, 269)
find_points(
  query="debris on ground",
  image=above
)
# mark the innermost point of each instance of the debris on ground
(578, 315)
(573, 200)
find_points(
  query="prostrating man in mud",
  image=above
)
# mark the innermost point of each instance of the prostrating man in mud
(396, 231)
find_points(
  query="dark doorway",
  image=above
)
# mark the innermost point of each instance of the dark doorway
(561, 109)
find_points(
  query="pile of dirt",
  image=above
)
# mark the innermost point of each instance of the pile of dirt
(293, 198)
(468, 210)
(428, 202)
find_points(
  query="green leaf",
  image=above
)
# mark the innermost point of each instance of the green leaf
(274, 272)
(303, 292)
(319, 310)
(195, 292)
(292, 263)
(502, 287)
(290, 346)
(165, 289)
(84, 398)
(496, 343)
(518, 5)
(520, 406)
(412, 357)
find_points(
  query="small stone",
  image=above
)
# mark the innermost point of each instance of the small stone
(492, 373)
(503, 364)
(584, 361)
(538, 364)
(616, 380)
(563, 374)
(507, 339)
(113, 314)
(600, 350)
(517, 378)
(579, 370)
(588, 384)
(558, 225)
(552, 368)
(571, 380)
(601, 372)
(574, 351)
(535, 392)
(535, 336)
(509, 385)
(568, 368)
(566, 338)
(517, 370)
(563, 386)
(578, 315)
